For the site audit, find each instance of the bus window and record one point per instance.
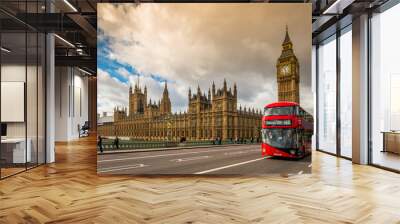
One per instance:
(281, 138)
(300, 112)
(279, 111)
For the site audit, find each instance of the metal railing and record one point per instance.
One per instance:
(110, 145)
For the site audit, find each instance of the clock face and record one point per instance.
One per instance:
(285, 69)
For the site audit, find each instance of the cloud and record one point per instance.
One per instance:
(111, 92)
(123, 72)
(191, 44)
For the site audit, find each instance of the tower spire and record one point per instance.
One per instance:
(287, 38)
(213, 88)
(165, 101)
(225, 87)
(165, 88)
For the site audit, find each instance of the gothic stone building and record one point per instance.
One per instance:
(288, 73)
(208, 117)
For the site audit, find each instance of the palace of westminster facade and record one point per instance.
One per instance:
(211, 116)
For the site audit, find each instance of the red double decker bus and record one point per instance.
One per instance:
(287, 130)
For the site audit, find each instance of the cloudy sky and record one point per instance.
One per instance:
(194, 44)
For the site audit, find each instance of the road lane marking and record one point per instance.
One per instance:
(105, 170)
(241, 152)
(189, 158)
(232, 165)
(164, 155)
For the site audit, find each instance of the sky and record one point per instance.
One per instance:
(187, 45)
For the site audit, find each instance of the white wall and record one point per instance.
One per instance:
(71, 103)
(61, 103)
(14, 73)
(33, 126)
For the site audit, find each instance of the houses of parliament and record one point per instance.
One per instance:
(209, 116)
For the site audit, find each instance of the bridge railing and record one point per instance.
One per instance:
(109, 145)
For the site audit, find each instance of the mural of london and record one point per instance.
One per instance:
(207, 89)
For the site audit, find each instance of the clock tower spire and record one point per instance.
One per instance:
(288, 72)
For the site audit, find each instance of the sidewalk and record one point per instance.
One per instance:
(167, 149)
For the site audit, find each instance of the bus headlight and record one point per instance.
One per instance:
(292, 151)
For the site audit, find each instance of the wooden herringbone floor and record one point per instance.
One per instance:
(70, 191)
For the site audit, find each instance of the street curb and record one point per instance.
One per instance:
(168, 149)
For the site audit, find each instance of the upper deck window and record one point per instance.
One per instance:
(279, 111)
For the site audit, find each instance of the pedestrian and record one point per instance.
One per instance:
(116, 142)
(100, 143)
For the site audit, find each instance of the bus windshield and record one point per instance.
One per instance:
(280, 137)
(279, 111)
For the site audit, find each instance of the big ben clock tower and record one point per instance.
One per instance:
(288, 73)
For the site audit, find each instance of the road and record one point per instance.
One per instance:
(236, 159)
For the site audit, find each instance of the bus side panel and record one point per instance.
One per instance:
(271, 151)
